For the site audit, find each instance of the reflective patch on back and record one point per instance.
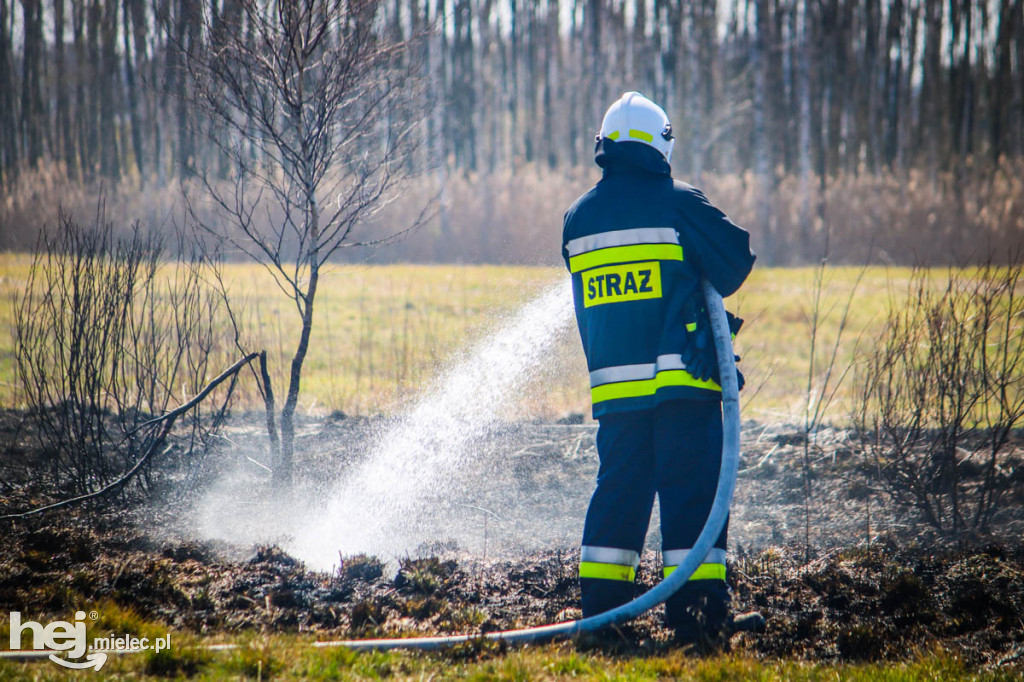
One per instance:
(620, 283)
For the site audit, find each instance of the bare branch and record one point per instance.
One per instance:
(168, 422)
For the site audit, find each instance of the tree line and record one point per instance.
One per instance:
(808, 88)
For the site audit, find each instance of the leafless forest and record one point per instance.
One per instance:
(893, 126)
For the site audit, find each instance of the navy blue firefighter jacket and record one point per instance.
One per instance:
(637, 244)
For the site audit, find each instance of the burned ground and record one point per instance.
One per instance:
(873, 585)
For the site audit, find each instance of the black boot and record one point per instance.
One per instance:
(699, 617)
(622, 638)
(700, 636)
(751, 621)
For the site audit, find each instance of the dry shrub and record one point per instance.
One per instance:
(942, 394)
(105, 338)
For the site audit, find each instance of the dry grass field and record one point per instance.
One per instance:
(383, 333)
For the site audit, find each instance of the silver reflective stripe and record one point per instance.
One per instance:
(670, 361)
(613, 375)
(674, 557)
(610, 555)
(639, 235)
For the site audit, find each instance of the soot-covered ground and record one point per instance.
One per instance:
(873, 585)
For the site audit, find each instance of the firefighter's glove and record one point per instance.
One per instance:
(735, 324)
(699, 358)
(715, 374)
(699, 354)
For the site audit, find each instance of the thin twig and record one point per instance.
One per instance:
(178, 411)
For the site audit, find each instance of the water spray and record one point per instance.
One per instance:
(667, 587)
(385, 504)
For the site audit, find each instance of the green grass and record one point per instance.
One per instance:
(289, 657)
(382, 333)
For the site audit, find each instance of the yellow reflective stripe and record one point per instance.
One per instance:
(703, 572)
(638, 389)
(613, 135)
(625, 254)
(641, 135)
(593, 569)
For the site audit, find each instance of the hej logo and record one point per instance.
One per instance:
(57, 636)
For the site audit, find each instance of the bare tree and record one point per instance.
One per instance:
(313, 108)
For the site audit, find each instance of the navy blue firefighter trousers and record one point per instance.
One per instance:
(674, 450)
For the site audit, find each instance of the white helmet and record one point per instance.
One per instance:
(634, 118)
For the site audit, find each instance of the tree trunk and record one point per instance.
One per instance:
(803, 39)
(762, 162)
(695, 124)
(870, 118)
(9, 157)
(63, 147)
(1017, 109)
(130, 67)
(91, 56)
(967, 92)
(184, 35)
(904, 139)
(33, 117)
(283, 471)
(1002, 93)
(893, 81)
(709, 69)
(930, 129)
(551, 71)
(110, 147)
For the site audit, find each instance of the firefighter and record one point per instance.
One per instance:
(637, 245)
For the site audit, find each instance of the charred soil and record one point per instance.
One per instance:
(886, 593)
